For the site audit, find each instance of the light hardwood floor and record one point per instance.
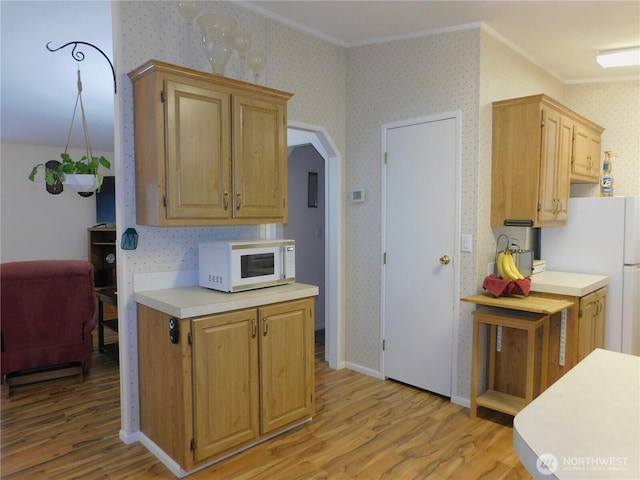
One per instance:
(364, 428)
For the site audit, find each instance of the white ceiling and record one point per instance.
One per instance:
(38, 88)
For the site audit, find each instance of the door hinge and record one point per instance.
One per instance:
(539, 207)
(311, 397)
(189, 339)
(284, 203)
(192, 445)
(384, 345)
(162, 97)
(311, 312)
(386, 157)
(384, 258)
(164, 201)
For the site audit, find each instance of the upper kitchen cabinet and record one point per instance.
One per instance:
(585, 163)
(533, 155)
(209, 150)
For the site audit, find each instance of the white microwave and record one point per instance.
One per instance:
(233, 266)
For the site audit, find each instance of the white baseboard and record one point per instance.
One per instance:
(367, 371)
(166, 460)
(458, 400)
(179, 472)
(462, 401)
(129, 438)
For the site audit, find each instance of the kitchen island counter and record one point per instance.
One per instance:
(587, 424)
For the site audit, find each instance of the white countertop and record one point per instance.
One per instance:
(587, 424)
(195, 301)
(564, 283)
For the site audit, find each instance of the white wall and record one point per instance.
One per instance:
(35, 224)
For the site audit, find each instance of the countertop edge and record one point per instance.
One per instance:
(567, 283)
(195, 301)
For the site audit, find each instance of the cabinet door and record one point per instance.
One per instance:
(286, 363)
(587, 327)
(585, 164)
(259, 159)
(198, 152)
(226, 382)
(600, 318)
(557, 134)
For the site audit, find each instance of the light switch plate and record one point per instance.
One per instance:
(467, 243)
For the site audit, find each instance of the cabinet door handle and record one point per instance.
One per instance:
(254, 328)
(265, 327)
(226, 200)
(238, 200)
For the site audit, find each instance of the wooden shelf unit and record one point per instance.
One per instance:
(536, 346)
(102, 246)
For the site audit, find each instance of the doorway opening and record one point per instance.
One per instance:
(299, 134)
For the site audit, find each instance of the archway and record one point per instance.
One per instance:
(303, 134)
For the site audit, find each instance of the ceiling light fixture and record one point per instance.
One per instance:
(623, 57)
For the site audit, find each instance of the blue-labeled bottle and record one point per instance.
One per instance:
(606, 182)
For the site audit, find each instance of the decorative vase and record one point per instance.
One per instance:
(217, 39)
(256, 61)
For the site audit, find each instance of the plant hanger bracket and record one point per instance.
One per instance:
(78, 56)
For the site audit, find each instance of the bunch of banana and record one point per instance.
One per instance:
(507, 267)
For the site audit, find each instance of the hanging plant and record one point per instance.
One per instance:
(87, 166)
(84, 166)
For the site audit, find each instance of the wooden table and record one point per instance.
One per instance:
(530, 314)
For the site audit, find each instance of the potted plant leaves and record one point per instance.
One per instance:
(82, 175)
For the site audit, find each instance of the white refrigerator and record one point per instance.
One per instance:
(602, 237)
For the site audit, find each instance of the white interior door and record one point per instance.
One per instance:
(420, 221)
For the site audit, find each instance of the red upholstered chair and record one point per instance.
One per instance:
(47, 313)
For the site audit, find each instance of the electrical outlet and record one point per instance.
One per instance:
(491, 268)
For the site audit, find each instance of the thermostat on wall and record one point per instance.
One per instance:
(357, 196)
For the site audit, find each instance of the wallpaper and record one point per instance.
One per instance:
(351, 93)
(504, 74)
(615, 106)
(385, 83)
(311, 69)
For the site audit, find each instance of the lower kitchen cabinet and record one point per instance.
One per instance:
(223, 382)
(592, 321)
(581, 331)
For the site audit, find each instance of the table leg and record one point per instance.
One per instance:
(474, 369)
(100, 326)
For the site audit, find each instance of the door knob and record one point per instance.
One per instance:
(445, 259)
